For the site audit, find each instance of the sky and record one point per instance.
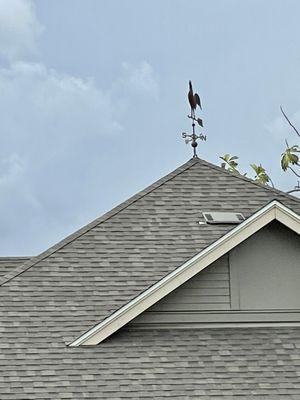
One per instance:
(93, 101)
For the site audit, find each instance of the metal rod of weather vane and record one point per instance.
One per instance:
(194, 140)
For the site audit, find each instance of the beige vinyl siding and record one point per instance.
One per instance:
(258, 281)
(208, 290)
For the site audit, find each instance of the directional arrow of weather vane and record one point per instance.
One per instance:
(194, 101)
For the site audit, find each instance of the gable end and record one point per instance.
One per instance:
(273, 211)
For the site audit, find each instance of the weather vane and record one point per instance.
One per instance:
(194, 101)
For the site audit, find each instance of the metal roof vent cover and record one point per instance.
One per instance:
(216, 217)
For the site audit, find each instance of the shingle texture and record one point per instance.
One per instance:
(141, 364)
(52, 299)
(7, 264)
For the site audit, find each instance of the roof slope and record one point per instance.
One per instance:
(94, 272)
(7, 264)
(180, 364)
(54, 297)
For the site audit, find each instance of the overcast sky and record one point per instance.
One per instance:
(93, 100)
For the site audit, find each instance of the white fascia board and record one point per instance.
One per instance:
(287, 217)
(261, 218)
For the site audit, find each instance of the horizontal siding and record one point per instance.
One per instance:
(264, 288)
(208, 290)
(266, 270)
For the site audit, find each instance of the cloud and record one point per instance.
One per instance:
(56, 130)
(19, 29)
(54, 103)
(52, 126)
(56, 133)
(140, 78)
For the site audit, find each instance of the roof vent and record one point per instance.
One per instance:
(217, 217)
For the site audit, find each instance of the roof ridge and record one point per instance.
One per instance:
(111, 213)
(244, 178)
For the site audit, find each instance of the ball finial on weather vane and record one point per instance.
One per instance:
(194, 101)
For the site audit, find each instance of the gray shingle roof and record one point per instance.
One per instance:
(53, 298)
(7, 264)
(146, 364)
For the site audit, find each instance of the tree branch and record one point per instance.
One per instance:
(289, 122)
(272, 183)
(294, 190)
(294, 172)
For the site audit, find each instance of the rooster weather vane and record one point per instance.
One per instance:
(194, 101)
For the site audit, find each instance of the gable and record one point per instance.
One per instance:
(273, 211)
(266, 270)
(260, 275)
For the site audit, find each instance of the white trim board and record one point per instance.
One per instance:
(272, 211)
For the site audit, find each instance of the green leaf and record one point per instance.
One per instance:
(284, 162)
(290, 157)
(260, 174)
(230, 163)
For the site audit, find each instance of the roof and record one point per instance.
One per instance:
(7, 264)
(55, 297)
(208, 364)
(272, 211)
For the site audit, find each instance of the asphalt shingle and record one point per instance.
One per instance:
(53, 298)
(8, 264)
(156, 364)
